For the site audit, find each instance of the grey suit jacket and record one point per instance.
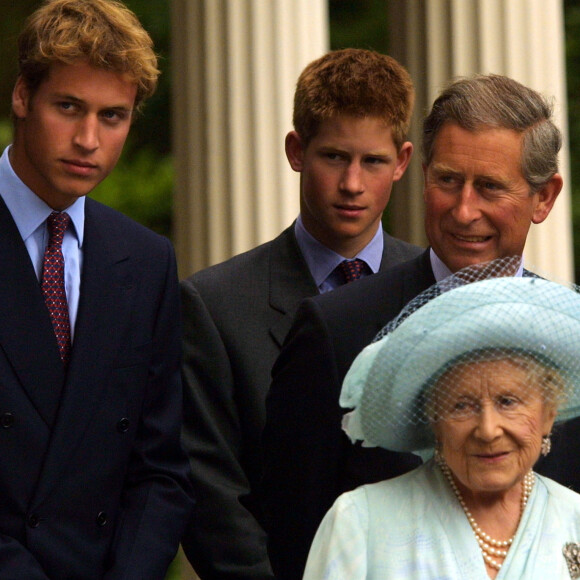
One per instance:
(236, 317)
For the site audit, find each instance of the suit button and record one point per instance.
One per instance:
(33, 521)
(7, 420)
(123, 425)
(101, 519)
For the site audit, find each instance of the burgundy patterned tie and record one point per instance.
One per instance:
(352, 269)
(53, 282)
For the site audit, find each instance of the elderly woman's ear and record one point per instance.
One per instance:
(549, 419)
(546, 446)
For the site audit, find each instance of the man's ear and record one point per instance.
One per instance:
(403, 159)
(546, 198)
(20, 98)
(294, 150)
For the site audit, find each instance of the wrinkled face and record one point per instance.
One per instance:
(347, 173)
(492, 419)
(478, 205)
(71, 132)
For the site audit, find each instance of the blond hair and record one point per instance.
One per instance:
(104, 33)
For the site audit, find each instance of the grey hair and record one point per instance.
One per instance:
(496, 101)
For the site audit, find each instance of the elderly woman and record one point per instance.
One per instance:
(479, 375)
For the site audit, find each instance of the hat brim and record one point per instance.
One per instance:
(529, 314)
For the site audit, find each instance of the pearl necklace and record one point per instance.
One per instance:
(490, 547)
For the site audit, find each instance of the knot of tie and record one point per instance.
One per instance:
(352, 269)
(53, 288)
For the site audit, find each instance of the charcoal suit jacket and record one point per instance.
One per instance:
(236, 317)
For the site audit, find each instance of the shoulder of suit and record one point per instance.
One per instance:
(404, 249)
(119, 224)
(240, 265)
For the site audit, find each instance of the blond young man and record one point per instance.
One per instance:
(94, 483)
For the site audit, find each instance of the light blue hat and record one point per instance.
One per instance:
(387, 383)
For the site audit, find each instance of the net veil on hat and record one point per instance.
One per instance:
(460, 319)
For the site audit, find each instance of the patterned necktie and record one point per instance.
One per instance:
(53, 288)
(351, 269)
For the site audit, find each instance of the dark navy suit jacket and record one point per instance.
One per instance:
(93, 482)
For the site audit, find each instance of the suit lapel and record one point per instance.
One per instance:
(26, 334)
(419, 277)
(104, 306)
(290, 282)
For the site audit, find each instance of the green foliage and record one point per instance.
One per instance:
(5, 133)
(153, 129)
(13, 15)
(141, 187)
(174, 572)
(360, 24)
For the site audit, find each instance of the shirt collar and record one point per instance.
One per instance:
(441, 271)
(27, 209)
(322, 261)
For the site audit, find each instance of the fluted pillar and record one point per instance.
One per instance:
(234, 66)
(523, 39)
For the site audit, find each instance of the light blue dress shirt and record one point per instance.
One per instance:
(29, 213)
(322, 261)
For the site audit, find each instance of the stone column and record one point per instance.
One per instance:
(524, 39)
(234, 69)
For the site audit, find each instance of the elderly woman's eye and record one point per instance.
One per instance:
(507, 402)
(462, 408)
